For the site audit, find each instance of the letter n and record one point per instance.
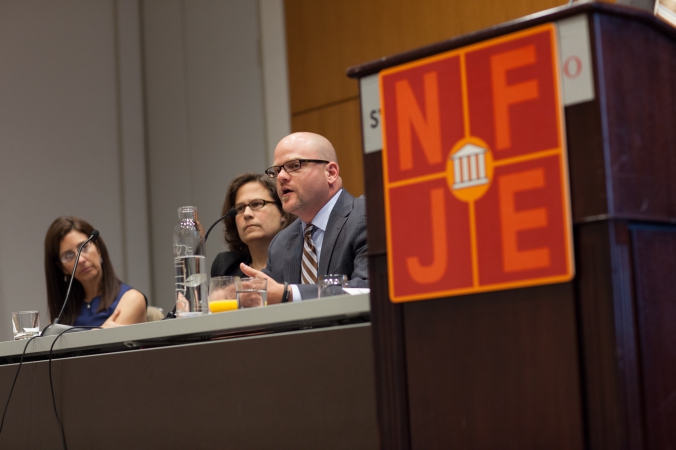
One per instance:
(426, 126)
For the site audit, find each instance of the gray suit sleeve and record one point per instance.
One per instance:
(360, 272)
(268, 269)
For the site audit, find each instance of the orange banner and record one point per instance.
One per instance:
(475, 169)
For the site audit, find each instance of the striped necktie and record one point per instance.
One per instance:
(309, 263)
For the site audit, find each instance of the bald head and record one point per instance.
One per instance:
(317, 144)
(306, 190)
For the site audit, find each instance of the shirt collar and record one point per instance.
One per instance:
(322, 218)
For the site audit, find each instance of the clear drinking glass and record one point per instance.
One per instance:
(252, 292)
(223, 293)
(25, 324)
(331, 284)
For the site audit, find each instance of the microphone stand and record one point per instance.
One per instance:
(232, 212)
(57, 327)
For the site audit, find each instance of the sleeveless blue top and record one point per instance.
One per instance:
(92, 317)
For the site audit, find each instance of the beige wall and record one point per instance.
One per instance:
(71, 139)
(205, 115)
(120, 111)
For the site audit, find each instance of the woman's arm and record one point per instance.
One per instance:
(130, 309)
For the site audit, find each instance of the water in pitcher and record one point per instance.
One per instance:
(191, 285)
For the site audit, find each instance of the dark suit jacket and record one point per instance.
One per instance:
(227, 263)
(343, 248)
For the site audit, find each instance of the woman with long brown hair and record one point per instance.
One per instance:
(259, 218)
(97, 298)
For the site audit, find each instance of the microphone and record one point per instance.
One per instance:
(57, 327)
(231, 213)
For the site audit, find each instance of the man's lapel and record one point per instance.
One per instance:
(294, 250)
(337, 219)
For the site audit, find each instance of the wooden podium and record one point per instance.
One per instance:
(589, 363)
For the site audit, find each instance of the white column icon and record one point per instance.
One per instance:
(469, 167)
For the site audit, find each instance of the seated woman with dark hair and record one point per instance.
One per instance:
(97, 298)
(259, 218)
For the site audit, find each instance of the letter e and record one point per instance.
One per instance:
(512, 221)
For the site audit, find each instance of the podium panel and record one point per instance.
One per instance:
(587, 363)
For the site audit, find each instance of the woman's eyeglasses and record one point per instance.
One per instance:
(254, 204)
(68, 256)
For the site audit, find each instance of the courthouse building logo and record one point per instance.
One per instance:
(469, 166)
(475, 169)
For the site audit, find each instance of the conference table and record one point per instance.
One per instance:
(296, 376)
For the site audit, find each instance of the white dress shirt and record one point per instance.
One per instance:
(319, 221)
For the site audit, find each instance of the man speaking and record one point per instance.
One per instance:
(329, 236)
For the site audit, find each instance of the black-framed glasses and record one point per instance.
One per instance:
(69, 255)
(254, 204)
(291, 166)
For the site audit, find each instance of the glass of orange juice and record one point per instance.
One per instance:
(223, 294)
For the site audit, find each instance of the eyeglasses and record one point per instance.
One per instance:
(254, 204)
(291, 166)
(68, 256)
